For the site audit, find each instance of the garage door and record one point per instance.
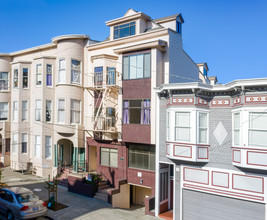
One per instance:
(203, 206)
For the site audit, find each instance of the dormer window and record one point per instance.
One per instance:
(124, 30)
(179, 27)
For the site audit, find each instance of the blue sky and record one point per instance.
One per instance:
(230, 35)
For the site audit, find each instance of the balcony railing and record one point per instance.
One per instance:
(104, 79)
(187, 151)
(105, 124)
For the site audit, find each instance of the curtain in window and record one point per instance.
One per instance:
(126, 112)
(49, 79)
(145, 112)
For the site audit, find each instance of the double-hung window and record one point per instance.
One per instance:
(236, 129)
(25, 80)
(168, 126)
(137, 66)
(48, 111)
(38, 108)
(15, 78)
(182, 126)
(48, 147)
(75, 111)
(24, 111)
(15, 111)
(257, 132)
(49, 75)
(124, 30)
(39, 74)
(98, 76)
(3, 81)
(62, 71)
(37, 146)
(24, 141)
(3, 111)
(75, 71)
(61, 111)
(15, 138)
(203, 128)
(109, 157)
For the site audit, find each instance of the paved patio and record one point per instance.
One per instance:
(79, 207)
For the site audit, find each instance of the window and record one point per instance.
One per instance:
(236, 128)
(75, 111)
(38, 110)
(15, 143)
(3, 81)
(48, 147)
(25, 78)
(136, 66)
(49, 75)
(61, 110)
(3, 111)
(38, 74)
(111, 76)
(24, 140)
(15, 78)
(168, 125)
(98, 76)
(203, 128)
(164, 183)
(179, 27)
(124, 30)
(75, 71)
(24, 111)
(37, 146)
(257, 132)
(182, 126)
(142, 157)
(15, 111)
(62, 71)
(109, 157)
(110, 115)
(48, 111)
(136, 111)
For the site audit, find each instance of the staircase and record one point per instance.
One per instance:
(63, 178)
(102, 193)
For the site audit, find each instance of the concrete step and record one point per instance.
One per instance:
(101, 198)
(102, 183)
(103, 187)
(105, 190)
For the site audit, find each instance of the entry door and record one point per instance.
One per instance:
(203, 206)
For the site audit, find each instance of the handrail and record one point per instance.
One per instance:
(19, 166)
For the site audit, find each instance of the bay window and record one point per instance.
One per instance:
(257, 131)
(38, 109)
(25, 78)
(38, 74)
(203, 128)
(24, 111)
(15, 139)
(3, 81)
(48, 147)
(24, 141)
(37, 146)
(182, 126)
(49, 75)
(48, 111)
(75, 111)
(15, 111)
(236, 129)
(136, 66)
(15, 78)
(61, 111)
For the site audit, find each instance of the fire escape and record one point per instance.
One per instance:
(105, 90)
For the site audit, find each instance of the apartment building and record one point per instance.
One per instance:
(211, 150)
(90, 105)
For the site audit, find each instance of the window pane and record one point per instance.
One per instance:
(113, 157)
(132, 67)
(48, 110)
(147, 65)
(258, 120)
(182, 119)
(125, 67)
(139, 66)
(203, 120)
(3, 110)
(48, 144)
(104, 156)
(202, 135)
(236, 121)
(236, 137)
(182, 134)
(25, 78)
(257, 138)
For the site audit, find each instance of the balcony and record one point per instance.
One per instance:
(254, 158)
(187, 152)
(105, 128)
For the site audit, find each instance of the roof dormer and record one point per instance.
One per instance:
(132, 23)
(173, 22)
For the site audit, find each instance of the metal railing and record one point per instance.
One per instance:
(104, 123)
(108, 78)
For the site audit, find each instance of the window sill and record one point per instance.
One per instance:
(108, 166)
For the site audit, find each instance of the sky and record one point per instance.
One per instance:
(230, 35)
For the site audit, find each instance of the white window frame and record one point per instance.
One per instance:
(48, 147)
(77, 71)
(74, 111)
(24, 111)
(15, 111)
(190, 127)
(38, 83)
(25, 77)
(37, 145)
(235, 129)
(15, 78)
(5, 110)
(4, 83)
(61, 110)
(49, 73)
(38, 109)
(15, 140)
(61, 80)
(198, 127)
(46, 109)
(24, 139)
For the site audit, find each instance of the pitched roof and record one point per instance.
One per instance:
(169, 17)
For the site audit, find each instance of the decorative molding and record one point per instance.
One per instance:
(233, 156)
(202, 102)
(182, 101)
(201, 158)
(220, 102)
(181, 146)
(256, 99)
(195, 176)
(237, 101)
